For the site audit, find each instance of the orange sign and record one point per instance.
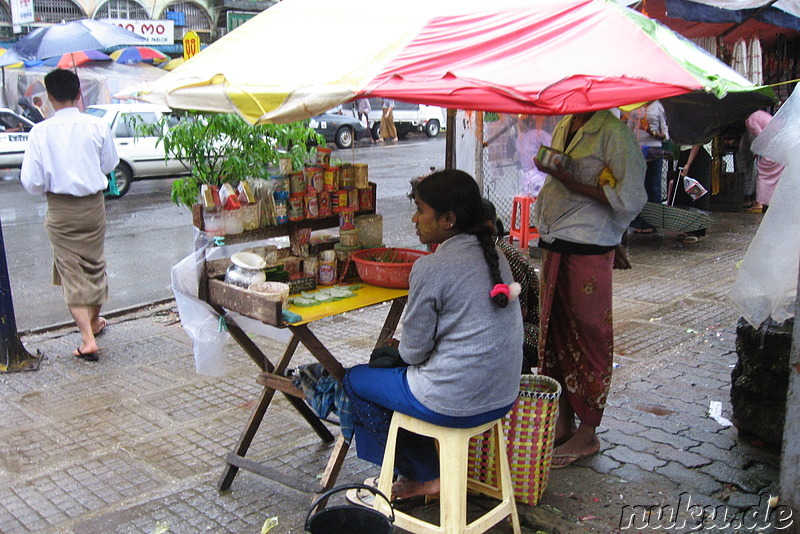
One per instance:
(191, 44)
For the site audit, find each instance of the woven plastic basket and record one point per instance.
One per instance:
(530, 432)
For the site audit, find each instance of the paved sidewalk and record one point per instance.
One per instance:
(135, 443)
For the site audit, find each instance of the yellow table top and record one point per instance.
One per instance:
(366, 295)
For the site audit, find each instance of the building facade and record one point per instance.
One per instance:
(209, 18)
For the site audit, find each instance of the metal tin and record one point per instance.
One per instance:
(330, 179)
(360, 175)
(324, 201)
(297, 184)
(311, 206)
(346, 219)
(339, 201)
(314, 179)
(365, 199)
(323, 156)
(346, 177)
(352, 200)
(295, 208)
(285, 165)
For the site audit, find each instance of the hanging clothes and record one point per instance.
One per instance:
(754, 58)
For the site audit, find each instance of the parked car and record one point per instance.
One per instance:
(337, 128)
(139, 156)
(408, 118)
(14, 130)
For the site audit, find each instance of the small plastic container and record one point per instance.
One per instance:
(370, 230)
(233, 222)
(214, 223)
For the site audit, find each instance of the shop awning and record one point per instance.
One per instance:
(782, 13)
(548, 57)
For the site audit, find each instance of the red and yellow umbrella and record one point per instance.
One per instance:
(73, 59)
(546, 57)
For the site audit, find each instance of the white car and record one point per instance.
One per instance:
(14, 130)
(139, 156)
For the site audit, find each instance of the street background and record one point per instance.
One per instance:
(147, 234)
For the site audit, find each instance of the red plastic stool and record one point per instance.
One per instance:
(520, 225)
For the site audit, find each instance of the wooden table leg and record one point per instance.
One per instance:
(392, 319)
(246, 438)
(334, 466)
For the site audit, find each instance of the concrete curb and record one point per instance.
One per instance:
(111, 313)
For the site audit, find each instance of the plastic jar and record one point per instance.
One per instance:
(370, 230)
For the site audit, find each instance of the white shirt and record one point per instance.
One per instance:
(69, 154)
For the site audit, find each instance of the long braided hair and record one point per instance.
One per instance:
(456, 191)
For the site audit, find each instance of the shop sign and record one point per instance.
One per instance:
(237, 18)
(191, 44)
(22, 12)
(157, 32)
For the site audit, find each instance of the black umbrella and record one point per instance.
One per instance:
(68, 37)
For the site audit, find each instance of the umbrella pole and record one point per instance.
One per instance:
(75, 70)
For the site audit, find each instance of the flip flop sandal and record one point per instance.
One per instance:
(86, 356)
(360, 497)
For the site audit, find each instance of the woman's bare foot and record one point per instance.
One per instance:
(406, 488)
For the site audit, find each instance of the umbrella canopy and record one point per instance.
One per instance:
(676, 219)
(17, 64)
(139, 54)
(172, 64)
(73, 59)
(546, 57)
(66, 37)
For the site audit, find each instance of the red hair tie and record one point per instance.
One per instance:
(498, 289)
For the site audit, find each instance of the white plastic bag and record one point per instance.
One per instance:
(766, 285)
(199, 320)
(693, 188)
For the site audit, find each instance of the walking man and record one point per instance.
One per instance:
(67, 159)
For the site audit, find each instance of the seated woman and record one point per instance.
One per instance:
(461, 339)
(525, 275)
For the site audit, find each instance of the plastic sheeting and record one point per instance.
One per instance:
(99, 82)
(766, 285)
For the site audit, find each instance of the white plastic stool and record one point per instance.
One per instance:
(454, 450)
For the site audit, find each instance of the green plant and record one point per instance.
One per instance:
(221, 147)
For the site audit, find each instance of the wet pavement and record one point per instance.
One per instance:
(135, 443)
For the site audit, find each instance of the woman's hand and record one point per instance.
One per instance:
(684, 171)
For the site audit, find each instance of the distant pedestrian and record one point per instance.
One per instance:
(362, 114)
(529, 138)
(768, 171)
(29, 111)
(388, 129)
(67, 160)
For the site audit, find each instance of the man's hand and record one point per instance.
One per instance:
(560, 173)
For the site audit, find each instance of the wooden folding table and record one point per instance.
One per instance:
(225, 297)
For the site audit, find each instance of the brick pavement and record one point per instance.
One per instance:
(135, 443)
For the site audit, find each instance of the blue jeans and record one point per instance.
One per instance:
(377, 392)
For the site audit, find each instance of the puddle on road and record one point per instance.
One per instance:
(654, 409)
